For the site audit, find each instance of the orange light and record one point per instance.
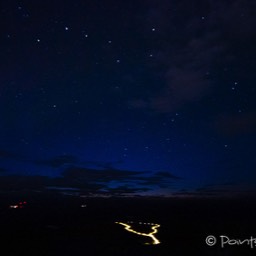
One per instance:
(154, 228)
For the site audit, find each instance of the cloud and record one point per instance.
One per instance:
(77, 179)
(194, 46)
(161, 179)
(111, 180)
(124, 181)
(122, 190)
(94, 175)
(219, 190)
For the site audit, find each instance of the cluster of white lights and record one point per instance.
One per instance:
(14, 206)
(20, 205)
(154, 228)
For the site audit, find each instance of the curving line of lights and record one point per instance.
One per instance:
(154, 228)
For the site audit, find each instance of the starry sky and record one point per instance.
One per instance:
(128, 97)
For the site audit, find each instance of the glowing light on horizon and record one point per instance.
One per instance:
(13, 206)
(20, 205)
(154, 228)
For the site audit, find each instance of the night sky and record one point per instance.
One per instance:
(128, 97)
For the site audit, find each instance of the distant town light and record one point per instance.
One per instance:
(154, 227)
(14, 206)
(19, 205)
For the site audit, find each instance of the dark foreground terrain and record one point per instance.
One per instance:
(54, 225)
